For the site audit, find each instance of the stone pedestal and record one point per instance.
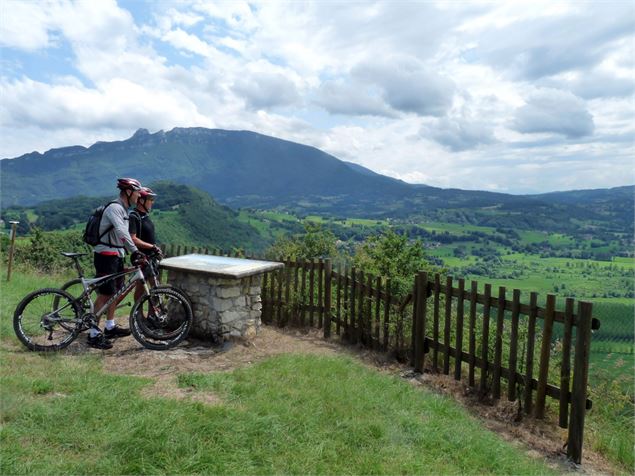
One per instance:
(225, 293)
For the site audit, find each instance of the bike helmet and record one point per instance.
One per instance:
(146, 192)
(128, 184)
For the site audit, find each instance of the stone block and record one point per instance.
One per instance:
(228, 292)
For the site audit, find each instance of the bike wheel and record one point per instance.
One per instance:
(47, 320)
(161, 319)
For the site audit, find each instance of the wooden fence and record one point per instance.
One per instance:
(495, 344)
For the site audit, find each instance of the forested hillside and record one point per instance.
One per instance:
(181, 214)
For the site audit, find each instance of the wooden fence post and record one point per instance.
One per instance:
(580, 377)
(327, 298)
(545, 352)
(565, 368)
(420, 328)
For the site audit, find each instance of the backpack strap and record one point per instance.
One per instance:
(108, 230)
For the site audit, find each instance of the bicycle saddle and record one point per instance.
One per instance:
(72, 255)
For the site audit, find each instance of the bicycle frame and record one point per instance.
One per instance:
(91, 284)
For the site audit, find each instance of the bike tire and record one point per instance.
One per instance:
(44, 317)
(167, 307)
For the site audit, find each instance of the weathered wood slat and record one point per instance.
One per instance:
(485, 344)
(498, 344)
(320, 293)
(552, 390)
(303, 264)
(360, 309)
(311, 290)
(327, 299)
(565, 367)
(513, 346)
(580, 380)
(338, 303)
(387, 303)
(472, 334)
(545, 353)
(447, 324)
(377, 325)
(353, 300)
(280, 286)
(435, 322)
(531, 339)
(347, 305)
(459, 329)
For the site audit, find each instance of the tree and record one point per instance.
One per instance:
(315, 242)
(390, 255)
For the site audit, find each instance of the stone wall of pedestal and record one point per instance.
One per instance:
(222, 307)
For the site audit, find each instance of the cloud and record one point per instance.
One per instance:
(267, 90)
(15, 15)
(118, 104)
(532, 43)
(352, 98)
(595, 85)
(459, 134)
(554, 111)
(408, 86)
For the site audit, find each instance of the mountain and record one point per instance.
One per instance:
(182, 214)
(246, 169)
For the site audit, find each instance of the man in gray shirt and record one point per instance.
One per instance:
(109, 257)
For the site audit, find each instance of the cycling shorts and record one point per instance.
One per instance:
(107, 264)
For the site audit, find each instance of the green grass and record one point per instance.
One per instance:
(293, 414)
(287, 415)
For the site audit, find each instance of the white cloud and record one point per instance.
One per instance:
(554, 111)
(440, 93)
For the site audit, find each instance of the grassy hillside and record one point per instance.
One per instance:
(292, 414)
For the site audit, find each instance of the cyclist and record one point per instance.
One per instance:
(142, 229)
(109, 257)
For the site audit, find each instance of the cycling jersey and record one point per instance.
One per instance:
(119, 238)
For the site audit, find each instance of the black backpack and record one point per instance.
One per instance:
(91, 232)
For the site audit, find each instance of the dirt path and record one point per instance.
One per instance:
(538, 438)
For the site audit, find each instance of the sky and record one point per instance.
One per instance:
(516, 97)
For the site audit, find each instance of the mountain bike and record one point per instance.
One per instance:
(50, 319)
(75, 286)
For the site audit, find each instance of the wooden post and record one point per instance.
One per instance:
(545, 353)
(447, 325)
(352, 296)
(435, 324)
(347, 305)
(531, 339)
(485, 343)
(498, 345)
(421, 283)
(565, 368)
(327, 298)
(296, 306)
(387, 317)
(320, 293)
(580, 377)
(513, 348)
(303, 294)
(287, 291)
(377, 311)
(311, 290)
(360, 308)
(459, 331)
(338, 300)
(472, 336)
(14, 225)
(279, 313)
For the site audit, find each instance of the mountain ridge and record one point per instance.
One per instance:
(248, 169)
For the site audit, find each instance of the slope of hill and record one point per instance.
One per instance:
(182, 215)
(246, 169)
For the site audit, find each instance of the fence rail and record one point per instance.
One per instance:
(486, 339)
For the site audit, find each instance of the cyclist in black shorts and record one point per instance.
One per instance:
(109, 255)
(142, 229)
